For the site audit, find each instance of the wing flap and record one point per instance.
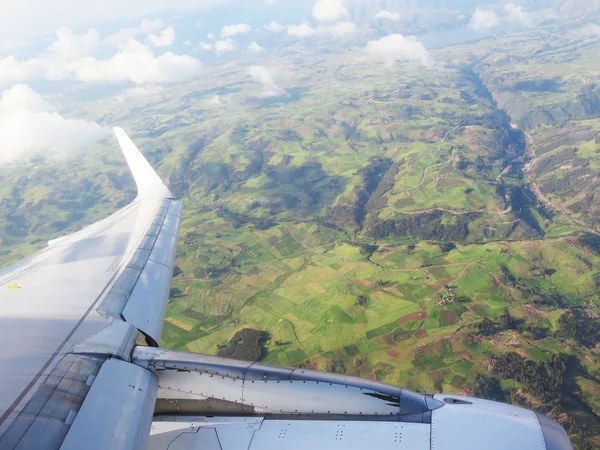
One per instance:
(55, 403)
(141, 292)
(117, 411)
(147, 304)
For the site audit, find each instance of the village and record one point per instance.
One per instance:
(448, 294)
(447, 297)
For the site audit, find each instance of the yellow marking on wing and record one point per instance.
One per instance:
(13, 286)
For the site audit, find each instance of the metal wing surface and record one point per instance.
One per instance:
(70, 314)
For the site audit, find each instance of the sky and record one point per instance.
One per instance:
(141, 47)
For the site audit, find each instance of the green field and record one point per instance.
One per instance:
(314, 316)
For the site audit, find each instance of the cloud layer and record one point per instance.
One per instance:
(274, 27)
(78, 14)
(516, 14)
(304, 30)
(254, 47)
(31, 127)
(262, 75)
(484, 20)
(327, 10)
(214, 100)
(76, 57)
(232, 30)
(164, 39)
(224, 46)
(388, 15)
(396, 47)
(136, 63)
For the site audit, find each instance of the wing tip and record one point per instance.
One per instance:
(148, 182)
(119, 131)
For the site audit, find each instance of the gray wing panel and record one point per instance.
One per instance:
(258, 433)
(46, 419)
(53, 307)
(117, 412)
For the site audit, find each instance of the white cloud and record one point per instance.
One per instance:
(262, 75)
(12, 70)
(73, 46)
(588, 30)
(30, 127)
(24, 20)
(254, 47)
(125, 34)
(11, 43)
(214, 100)
(516, 14)
(135, 62)
(484, 20)
(224, 46)
(396, 47)
(211, 36)
(75, 57)
(271, 2)
(205, 46)
(325, 10)
(232, 30)
(388, 15)
(164, 39)
(53, 64)
(21, 97)
(275, 27)
(302, 30)
(187, 43)
(341, 29)
(139, 91)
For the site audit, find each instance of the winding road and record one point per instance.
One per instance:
(410, 188)
(449, 211)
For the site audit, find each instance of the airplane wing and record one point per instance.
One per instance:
(72, 376)
(70, 315)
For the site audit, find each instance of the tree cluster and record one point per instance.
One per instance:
(425, 226)
(544, 380)
(447, 247)
(246, 345)
(238, 220)
(488, 388)
(579, 326)
(487, 327)
(591, 241)
(506, 321)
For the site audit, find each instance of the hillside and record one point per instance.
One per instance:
(548, 82)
